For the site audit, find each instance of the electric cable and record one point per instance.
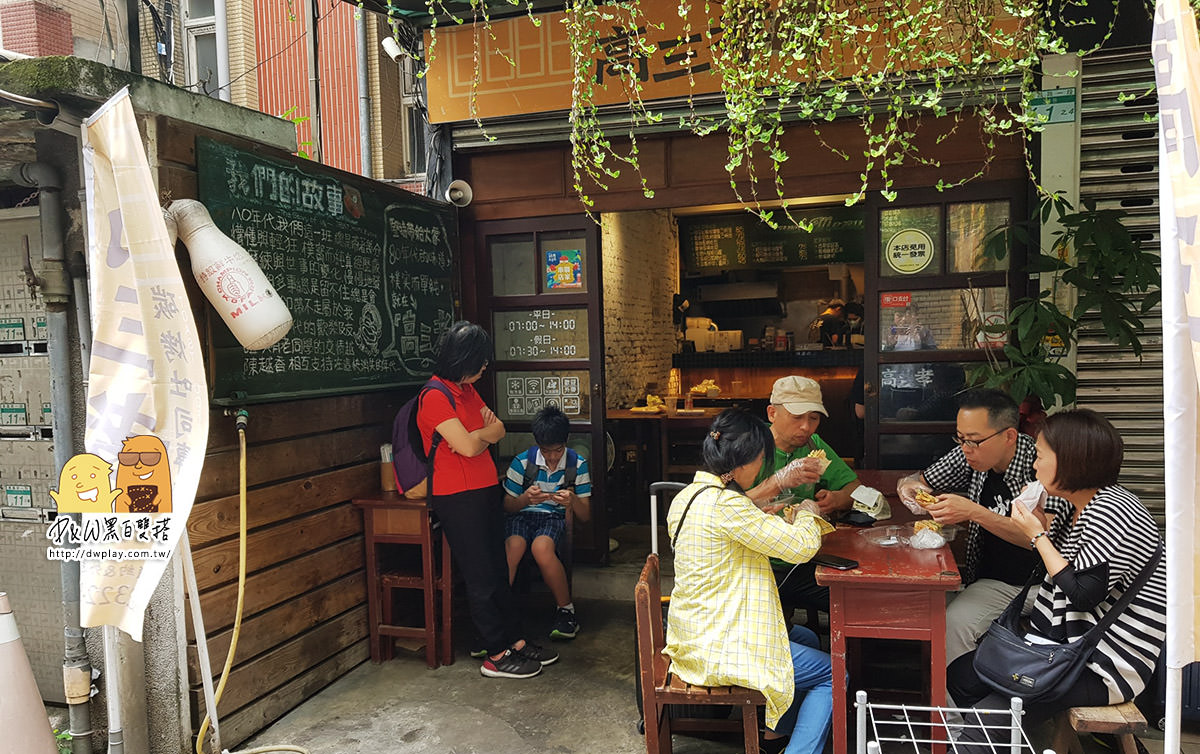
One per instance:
(241, 419)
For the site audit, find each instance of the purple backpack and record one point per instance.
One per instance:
(409, 461)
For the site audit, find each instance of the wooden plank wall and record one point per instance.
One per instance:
(305, 613)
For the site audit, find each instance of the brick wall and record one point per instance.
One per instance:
(36, 28)
(640, 264)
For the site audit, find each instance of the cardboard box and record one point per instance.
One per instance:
(705, 340)
(728, 340)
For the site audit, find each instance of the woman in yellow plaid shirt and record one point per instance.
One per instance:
(726, 627)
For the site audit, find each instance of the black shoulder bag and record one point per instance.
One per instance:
(1040, 673)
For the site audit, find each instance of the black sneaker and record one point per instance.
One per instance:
(538, 653)
(565, 626)
(512, 664)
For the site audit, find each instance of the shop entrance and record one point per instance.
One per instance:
(537, 282)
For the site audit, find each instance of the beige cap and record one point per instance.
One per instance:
(798, 395)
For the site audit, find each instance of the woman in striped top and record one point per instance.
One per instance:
(1111, 538)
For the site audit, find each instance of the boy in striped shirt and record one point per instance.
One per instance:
(541, 485)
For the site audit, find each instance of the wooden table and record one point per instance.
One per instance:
(656, 430)
(895, 593)
(391, 519)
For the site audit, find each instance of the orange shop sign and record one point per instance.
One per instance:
(538, 78)
(894, 300)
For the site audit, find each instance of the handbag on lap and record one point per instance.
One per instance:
(1037, 673)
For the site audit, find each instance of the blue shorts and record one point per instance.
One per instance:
(530, 526)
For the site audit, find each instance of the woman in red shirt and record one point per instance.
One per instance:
(467, 499)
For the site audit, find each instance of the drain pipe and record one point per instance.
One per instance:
(364, 95)
(55, 285)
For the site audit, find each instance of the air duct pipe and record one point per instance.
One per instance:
(56, 286)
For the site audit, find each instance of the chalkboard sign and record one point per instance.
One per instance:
(367, 272)
(541, 334)
(716, 242)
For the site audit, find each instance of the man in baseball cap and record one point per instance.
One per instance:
(795, 413)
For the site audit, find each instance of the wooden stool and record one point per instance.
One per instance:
(391, 519)
(1121, 720)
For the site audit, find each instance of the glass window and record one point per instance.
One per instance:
(520, 395)
(514, 443)
(912, 451)
(940, 319)
(205, 77)
(562, 264)
(921, 392)
(512, 266)
(541, 334)
(967, 227)
(910, 241)
(200, 9)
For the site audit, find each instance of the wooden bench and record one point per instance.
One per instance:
(660, 687)
(1120, 720)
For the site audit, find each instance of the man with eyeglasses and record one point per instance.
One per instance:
(977, 481)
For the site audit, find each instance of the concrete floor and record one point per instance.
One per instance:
(583, 703)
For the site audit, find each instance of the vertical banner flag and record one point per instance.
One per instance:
(1177, 73)
(147, 407)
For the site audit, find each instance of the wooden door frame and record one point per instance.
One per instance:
(478, 305)
(1018, 194)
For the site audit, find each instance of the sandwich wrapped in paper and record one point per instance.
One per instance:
(871, 501)
(821, 458)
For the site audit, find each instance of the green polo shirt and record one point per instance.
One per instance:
(837, 475)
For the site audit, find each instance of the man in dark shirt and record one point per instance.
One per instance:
(978, 480)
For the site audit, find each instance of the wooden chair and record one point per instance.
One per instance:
(660, 687)
(1120, 720)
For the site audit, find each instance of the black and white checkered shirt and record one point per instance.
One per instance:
(952, 473)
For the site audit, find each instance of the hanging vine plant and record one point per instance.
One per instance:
(890, 64)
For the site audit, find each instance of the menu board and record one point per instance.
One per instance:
(523, 394)
(541, 334)
(367, 272)
(742, 240)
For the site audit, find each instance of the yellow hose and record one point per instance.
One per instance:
(241, 593)
(237, 617)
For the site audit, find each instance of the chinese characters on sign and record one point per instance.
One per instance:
(366, 274)
(564, 269)
(909, 251)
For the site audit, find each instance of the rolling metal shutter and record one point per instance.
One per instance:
(1119, 170)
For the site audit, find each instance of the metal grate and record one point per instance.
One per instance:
(898, 728)
(1119, 170)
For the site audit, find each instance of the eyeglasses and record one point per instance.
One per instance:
(972, 444)
(149, 458)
